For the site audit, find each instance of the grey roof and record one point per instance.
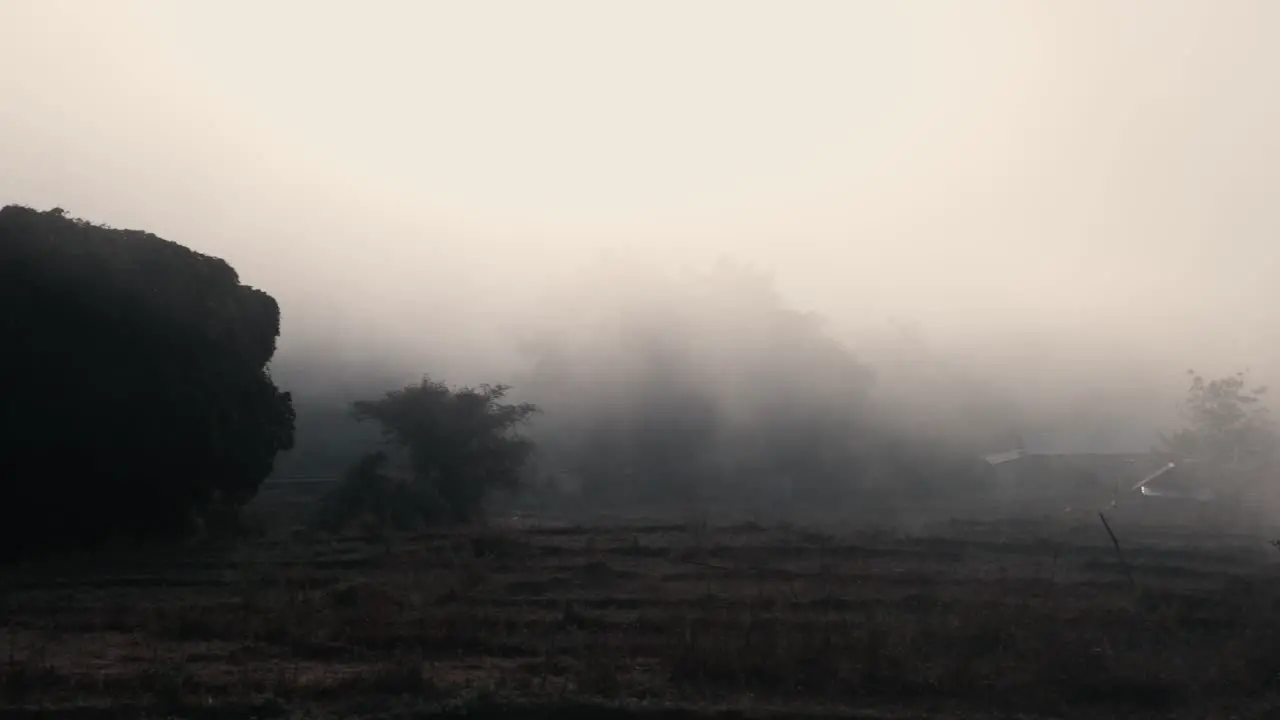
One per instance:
(999, 458)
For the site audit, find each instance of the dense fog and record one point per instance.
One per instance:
(736, 238)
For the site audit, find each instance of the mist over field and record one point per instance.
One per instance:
(640, 360)
(1005, 217)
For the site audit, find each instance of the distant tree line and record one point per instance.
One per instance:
(698, 391)
(708, 389)
(136, 399)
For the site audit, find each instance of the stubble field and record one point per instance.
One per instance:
(1034, 618)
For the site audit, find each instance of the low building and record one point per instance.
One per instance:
(1040, 477)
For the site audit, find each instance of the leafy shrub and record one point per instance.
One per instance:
(368, 498)
(460, 444)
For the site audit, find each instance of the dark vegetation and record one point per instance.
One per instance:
(136, 399)
(459, 445)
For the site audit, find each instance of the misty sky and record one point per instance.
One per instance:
(1028, 165)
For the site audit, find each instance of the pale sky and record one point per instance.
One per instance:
(1034, 164)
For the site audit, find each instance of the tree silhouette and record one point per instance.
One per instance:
(135, 392)
(1228, 430)
(460, 444)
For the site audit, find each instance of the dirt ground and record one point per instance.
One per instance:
(1033, 618)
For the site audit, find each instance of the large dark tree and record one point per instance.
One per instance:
(135, 391)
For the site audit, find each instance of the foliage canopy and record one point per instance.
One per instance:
(459, 444)
(136, 393)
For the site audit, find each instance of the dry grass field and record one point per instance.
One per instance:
(629, 619)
